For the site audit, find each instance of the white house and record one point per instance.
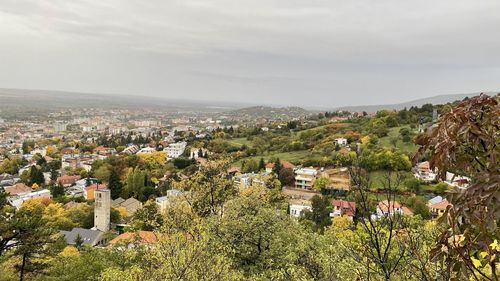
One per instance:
(304, 177)
(423, 172)
(164, 201)
(386, 208)
(438, 206)
(17, 201)
(195, 152)
(174, 150)
(341, 141)
(297, 206)
(146, 150)
(453, 180)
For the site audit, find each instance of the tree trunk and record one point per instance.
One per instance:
(21, 274)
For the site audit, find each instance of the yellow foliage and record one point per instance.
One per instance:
(122, 211)
(342, 223)
(35, 186)
(69, 251)
(51, 151)
(35, 203)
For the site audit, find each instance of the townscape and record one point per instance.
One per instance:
(124, 194)
(247, 140)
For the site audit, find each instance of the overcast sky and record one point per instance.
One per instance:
(290, 52)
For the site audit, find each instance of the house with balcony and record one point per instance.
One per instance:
(305, 177)
(422, 171)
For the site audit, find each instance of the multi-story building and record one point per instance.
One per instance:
(174, 150)
(304, 178)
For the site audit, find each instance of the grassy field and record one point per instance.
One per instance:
(378, 177)
(394, 133)
(240, 142)
(292, 156)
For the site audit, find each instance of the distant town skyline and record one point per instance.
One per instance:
(282, 52)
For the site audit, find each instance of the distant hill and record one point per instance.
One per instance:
(270, 113)
(36, 101)
(441, 99)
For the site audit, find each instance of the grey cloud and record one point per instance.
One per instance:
(313, 52)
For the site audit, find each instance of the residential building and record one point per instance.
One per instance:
(104, 151)
(423, 172)
(164, 201)
(133, 149)
(175, 150)
(195, 153)
(18, 200)
(304, 178)
(88, 237)
(17, 189)
(146, 150)
(386, 208)
(458, 181)
(89, 191)
(67, 180)
(438, 206)
(343, 208)
(341, 141)
(298, 206)
(243, 181)
(131, 205)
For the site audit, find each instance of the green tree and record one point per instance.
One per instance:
(210, 187)
(413, 185)
(135, 185)
(57, 190)
(36, 176)
(258, 238)
(262, 164)
(286, 177)
(25, 233)
(321, 183)
(148, 217)
(114, 183)
(78, 241)
(320, 214)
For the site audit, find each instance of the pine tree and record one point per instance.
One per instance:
(262, 164)
(78, 241)
(277, 166)
(57, 190)
(114, 184)
(36, 176)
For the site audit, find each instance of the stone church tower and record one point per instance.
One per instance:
(102, 209)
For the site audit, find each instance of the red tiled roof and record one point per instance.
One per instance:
(96, 186)
(68, 179)
(141, 237)
(441, 205)
(347, 208)
(385, 206)
(424, 166)
(17, 189)
(407, 211)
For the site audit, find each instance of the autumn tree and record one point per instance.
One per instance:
(210, 188)
(466, 140)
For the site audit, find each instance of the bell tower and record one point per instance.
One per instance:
(102, 209)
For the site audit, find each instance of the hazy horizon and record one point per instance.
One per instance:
(314, 54)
